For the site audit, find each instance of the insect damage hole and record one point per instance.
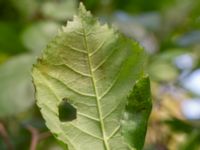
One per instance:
(66, 111)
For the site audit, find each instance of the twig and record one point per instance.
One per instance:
(44, 135)
(4, 135)
(36, 137)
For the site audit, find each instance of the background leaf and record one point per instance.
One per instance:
(16, 90)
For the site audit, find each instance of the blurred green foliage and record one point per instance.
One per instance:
(168, 29)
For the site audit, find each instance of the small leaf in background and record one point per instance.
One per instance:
(137, 111)
(16, 90)
(36, 36)
(167, 72)
(95, 68)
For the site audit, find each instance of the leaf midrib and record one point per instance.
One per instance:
(105, 139)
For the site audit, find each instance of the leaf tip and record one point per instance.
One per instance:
(83, 11)
(81, 6)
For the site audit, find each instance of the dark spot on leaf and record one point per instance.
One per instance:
(67, 112)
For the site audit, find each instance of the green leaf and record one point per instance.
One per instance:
(95, 68)
(137, 111)
(16, 90)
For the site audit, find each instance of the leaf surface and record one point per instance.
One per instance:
(94, 68)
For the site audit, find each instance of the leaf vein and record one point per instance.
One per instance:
(96, 93)
(89, 117)
(76, 49)
(86, 132)
(97, 49)
(76, 71)
(114, 132)
(103, 61)
(112, 110)
(111, 86)
(73, 90)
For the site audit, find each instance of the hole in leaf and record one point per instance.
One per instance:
(67, 112)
